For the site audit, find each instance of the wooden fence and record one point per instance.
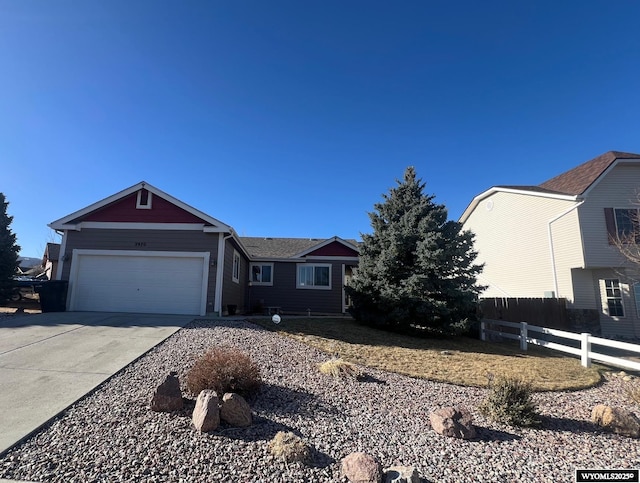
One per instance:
(585, 342)
(550, 312)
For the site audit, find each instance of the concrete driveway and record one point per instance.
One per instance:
(48, 361)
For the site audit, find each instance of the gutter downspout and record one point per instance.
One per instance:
(217, 307)
(551, 249)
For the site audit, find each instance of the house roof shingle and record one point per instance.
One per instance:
(577, 180)
(536, 189)
(280, 248)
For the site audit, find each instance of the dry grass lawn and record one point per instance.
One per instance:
(457, 360)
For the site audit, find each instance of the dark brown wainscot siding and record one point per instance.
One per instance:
(284, 293)
(232, 292)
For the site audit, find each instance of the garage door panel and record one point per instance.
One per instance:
(139, 283)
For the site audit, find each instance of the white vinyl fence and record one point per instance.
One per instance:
(586, 341)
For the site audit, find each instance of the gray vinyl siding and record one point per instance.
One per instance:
(618, 189)
(585, 292)
(511, 237)
(234, 293)
(283, 293)
(627, 326)
(145, 240)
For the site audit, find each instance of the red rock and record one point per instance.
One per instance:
(453, 421)
(361, 468)
(168, 397)
(206, 414)
(235, 410)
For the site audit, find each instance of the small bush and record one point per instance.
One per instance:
(289, 447)
(224, 369)
(509, 402)
(633, 391)
(338, 368)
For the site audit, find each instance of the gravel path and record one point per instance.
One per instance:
(112, 435)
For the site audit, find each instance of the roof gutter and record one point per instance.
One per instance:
(499, 189)
(554, 270)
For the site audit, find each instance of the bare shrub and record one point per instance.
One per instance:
(224, 369)
(509, 402)
(289, 447)
(338, 367)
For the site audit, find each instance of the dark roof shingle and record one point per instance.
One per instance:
(280, 248)
(577, 180)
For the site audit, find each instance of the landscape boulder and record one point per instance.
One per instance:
(235, 410)
(167, 397)
(361, 468)
(401, 474)
(206, 414)
(616, 420)
(454, 422)
(290, 447)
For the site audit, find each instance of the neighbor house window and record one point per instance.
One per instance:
(314, 276)
(627, 224)
(614, 297)
(235, 275)
(144, 200)
(636, 293)
(262, 273)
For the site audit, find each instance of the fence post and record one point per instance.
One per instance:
(483, 327)
(585, 348)
(523, 336)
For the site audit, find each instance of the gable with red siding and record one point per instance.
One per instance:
(333, 249)
(125, 210)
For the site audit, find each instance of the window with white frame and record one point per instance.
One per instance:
(614, 297)
(235, 274)
(314, 276)
(143, 201)
(261, 273)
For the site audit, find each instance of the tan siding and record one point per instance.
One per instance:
(567, 251)
(618, 189)
(585, 294)
(145, 240)
(512, 242)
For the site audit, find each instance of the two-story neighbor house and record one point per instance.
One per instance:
(142, 250)
(557, 239)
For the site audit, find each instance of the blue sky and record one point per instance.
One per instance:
(292, 118)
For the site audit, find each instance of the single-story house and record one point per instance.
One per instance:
(142, 250)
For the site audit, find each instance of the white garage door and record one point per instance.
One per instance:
(143, 282)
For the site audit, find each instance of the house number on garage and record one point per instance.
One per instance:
(141, 244)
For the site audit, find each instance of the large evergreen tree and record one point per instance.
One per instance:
(8, 252)
(417, 268)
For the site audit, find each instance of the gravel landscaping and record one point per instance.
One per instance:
(112, 435)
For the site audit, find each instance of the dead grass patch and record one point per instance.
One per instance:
(633, 391)
(457, 360)
(338, 367)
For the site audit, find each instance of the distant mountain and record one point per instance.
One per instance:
(29, 262)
